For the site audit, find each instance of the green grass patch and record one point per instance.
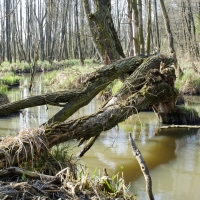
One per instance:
(116, 86)
(3, 89)
(9, 79)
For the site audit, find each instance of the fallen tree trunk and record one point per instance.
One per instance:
(32, 143)
(76, 97)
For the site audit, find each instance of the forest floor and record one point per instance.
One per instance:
(17, 184)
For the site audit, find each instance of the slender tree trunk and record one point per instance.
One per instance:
(168, 28)
(78, 35)
(170, 38)
(148, 32)
(157, 28)
(40, 19)
(28, 32)
(131, 42)
(142, 51)
(3, 39)
(54, 33)
(195, 49)
(135, 25)
(8, 32)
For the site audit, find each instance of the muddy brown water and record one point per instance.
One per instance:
(172, 156)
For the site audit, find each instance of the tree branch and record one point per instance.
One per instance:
(144, 168)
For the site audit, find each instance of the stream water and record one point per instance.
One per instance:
(172, 155)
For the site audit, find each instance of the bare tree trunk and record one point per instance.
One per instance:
(131, 42)
(63, 53)
(148, 32)
(135, 25)
(8, 32)
(195, 50)
(54, 35)
(184, 27)
(3, 40)
(14, 34)
(167, 25)
(40, 19)
(49, 7)
(170, 38)
(34, 65)
(78, 35)
(142, 51)
(157, 29)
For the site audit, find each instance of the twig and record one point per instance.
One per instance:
(21, 172)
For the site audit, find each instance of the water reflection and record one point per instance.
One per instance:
(172, 155)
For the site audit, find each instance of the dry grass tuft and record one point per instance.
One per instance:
(27, 144)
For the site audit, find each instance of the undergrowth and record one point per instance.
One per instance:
(189, 83)
(9, 79)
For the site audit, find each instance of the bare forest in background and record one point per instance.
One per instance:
(58, 29)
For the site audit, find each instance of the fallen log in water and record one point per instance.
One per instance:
(180, 126)
(14, 150)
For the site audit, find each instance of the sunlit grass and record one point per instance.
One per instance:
(189, 83)
(116, 86)
(63, 78)
(3, 89)
(9, 79)
(112, 186)
(46, 65)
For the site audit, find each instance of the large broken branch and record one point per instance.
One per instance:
(135, 82)
(144, 168)
(137, 79)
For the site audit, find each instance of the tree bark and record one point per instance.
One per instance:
(104, 33)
